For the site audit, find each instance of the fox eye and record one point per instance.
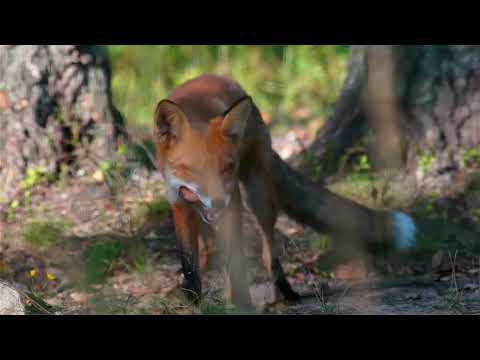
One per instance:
(180, 169)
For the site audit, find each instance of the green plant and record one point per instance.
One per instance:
(34, 177)
(214, 308)
(210, 308)
(43, 234)
(136, 256)
(281, 78)
(362, 165)
(100, 259)
(122, 149)
(471, 157)
(425, 162)
(12, 209)
(320, 243)
(157, 208)
(107, 167)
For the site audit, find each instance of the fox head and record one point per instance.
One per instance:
(200, 166)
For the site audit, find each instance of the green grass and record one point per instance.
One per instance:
(136, 256)
(210, 308)
(157, 208)
(282, 79)
(43, 234)
(100, 258)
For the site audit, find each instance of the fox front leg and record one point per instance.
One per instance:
(229, 234)
(187, 229)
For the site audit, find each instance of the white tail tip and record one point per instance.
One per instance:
(405, 231)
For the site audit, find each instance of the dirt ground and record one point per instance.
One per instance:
(143, 276)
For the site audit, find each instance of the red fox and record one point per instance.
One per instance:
(210, 138)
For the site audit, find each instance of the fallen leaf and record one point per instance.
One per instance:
(167, 290)
(81, 298)
(4, 101)
(21, 105)
(54, 301)
(98, 176)
(350, 272)
(292, 232)
(139, 292)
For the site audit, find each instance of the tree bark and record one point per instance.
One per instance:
(419, 102)
(439, 93)
(347, 123)
(55, 109)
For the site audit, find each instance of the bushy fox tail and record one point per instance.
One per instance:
(325, 211)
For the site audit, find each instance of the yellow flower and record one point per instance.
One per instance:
(50, 277)
(33, 273)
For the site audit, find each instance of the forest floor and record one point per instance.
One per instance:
(82, 247)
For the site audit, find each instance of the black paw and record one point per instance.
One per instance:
(287, 293)
(193, 291)
(292, 296)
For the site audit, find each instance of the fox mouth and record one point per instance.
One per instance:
(207, 214)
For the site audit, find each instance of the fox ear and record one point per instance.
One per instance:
(169, 121)
(235, 119)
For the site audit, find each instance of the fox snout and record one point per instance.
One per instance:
(209, 210)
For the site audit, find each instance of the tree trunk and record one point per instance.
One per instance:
(422, 105)
(55, 110)
(346, 124)
(439, 93)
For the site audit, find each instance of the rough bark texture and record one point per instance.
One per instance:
(10, 301)
(55, 108)
(439, 91)
(347, 122)
(420, 101)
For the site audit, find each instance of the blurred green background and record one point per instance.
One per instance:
(293, 85)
